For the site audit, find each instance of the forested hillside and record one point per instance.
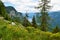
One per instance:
(16, 26)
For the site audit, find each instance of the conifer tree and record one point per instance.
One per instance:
(34, 22)
(44, 7)
(3, 11)
(56, 29)
(25, 21)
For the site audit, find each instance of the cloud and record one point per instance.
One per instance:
(56, 5)
(28, 5)
(23, 5)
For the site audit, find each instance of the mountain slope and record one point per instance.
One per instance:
(2, 9)
(55, 18)
(15, 16)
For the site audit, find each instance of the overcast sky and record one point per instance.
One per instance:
(28, 5)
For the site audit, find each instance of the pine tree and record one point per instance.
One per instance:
(26, 15)
(25, 21)
(56, 29)
(38, 18)
(34, 22)
(44, 7)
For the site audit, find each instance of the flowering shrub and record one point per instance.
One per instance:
(17, 32)
(55, 36)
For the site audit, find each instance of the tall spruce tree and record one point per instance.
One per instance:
(34, 22)
(44, 7)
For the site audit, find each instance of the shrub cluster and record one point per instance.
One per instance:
(18, 32)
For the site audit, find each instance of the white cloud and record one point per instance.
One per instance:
(23, 5)
(55, 4)
(28, 5)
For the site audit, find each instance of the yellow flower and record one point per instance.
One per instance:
(9, 26)
(17, 29)
(26, 31)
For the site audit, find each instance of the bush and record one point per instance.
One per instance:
(55, 36)
(18, 32)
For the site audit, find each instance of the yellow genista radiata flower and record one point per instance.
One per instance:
(37, 31)
(17, 29)
(9, 26)
(26, 30)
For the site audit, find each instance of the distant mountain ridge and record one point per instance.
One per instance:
(17, 16)
(55, 17)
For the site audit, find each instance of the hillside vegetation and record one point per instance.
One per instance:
(9, 31)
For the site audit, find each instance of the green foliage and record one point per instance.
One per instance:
(18, 32)
(55, 36)
(16, 19)
(3, 11)
(25, 21)
(34, 22)
(56, 29)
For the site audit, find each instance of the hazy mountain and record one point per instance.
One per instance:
(14, 14)
(55, 17)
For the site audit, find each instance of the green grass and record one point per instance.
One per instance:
(18, 32)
